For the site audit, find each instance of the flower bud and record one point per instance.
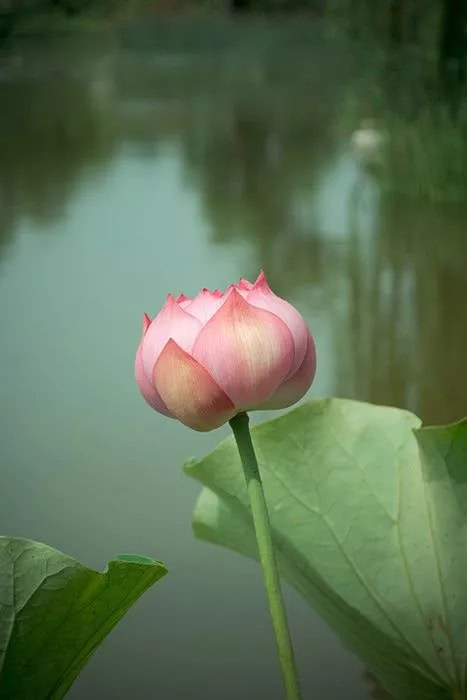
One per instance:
(205, 359)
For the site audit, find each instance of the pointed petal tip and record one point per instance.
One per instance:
(181, 297)
(145, 324)
(170, 300)
(205, 292)
(261, 282)
(244, 284)
(234, 298)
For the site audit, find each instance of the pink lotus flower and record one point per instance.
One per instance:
(205, 359)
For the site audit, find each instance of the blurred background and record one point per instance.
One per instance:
(154, 147)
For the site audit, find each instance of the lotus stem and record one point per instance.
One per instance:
(241, 431)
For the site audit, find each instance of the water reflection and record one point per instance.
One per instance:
(54, 125)
(166, 171)
(271, 169)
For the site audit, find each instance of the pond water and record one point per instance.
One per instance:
(149, 161)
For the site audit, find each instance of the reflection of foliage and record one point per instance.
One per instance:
(417, 87)
(425, 121)
(71, 7)
(250, 167)
(44, 17)
(392, 297)
(428, 156)
(51, 128)
(389, 22)
(257, 154)
(405, 298)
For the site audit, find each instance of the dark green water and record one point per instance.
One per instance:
(131, 168)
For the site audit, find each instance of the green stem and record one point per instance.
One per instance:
(239, 425)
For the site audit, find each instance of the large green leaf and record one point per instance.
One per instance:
(54, 612)
(369, 520)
